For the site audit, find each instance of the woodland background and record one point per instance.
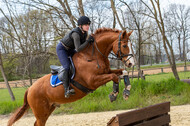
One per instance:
(31, 29)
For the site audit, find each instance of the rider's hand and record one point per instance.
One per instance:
(90, 39)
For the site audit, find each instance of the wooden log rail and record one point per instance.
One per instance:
(155, 115)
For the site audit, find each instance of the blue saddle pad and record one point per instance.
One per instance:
(54, 81)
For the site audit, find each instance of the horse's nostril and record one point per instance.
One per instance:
(130, 64)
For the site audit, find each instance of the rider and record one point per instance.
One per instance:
(73, 42)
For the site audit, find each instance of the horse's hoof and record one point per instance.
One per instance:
(125, 98)
(126, 92)
(113, 96)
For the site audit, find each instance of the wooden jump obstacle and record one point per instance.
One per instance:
(155, 115)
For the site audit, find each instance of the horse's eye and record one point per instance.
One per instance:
(124, 46)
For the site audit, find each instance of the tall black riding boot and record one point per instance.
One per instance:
(64, 77)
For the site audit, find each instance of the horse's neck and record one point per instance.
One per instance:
(105, 42)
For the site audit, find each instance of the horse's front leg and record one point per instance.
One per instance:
(126, 91)
(102, 79)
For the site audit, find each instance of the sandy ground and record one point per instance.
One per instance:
(180, 116)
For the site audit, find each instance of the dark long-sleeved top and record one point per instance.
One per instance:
(76, 39)
(77, 43)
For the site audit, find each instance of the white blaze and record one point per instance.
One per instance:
(131, 59)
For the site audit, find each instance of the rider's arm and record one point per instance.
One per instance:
(77, 43)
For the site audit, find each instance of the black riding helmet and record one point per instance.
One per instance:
(83, 20)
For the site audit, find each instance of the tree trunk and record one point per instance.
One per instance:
(5, 79)
(67, 10)
(159, 20)
(139, 60)
(30, 74)
(115, 13)
(179, 42)
(171, 59)
(114, 21)
(184, 51)
(81, 7)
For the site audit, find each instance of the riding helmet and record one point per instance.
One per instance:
(83, 20)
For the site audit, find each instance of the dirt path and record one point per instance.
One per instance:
(165, 70)
(180, 116)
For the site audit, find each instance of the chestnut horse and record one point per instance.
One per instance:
(42, 98)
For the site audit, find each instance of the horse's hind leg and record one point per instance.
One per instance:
(42, 110)
(43, 114)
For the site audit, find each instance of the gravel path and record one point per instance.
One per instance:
(180, 116)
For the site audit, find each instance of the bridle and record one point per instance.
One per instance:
(119, 55)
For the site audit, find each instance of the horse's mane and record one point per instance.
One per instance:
(101, 30)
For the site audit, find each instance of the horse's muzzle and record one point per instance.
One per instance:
(127, 63)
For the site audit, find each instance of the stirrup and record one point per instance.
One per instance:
(69, 92)
(72, 91)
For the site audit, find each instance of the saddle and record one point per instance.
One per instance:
(55, 69)
(54, 80)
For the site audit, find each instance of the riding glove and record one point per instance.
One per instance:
(90, 39)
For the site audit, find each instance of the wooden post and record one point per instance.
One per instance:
(162, 70)
(16, 84)
(185, 68)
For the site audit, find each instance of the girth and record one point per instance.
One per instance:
(81, 87)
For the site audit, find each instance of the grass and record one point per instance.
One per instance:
(143, 93)
(154, 90)
(6, 105)
(165, 76)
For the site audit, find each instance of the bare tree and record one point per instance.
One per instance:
(138, 22)
(178, 24)
(157, 16)
(81, 7)
(116, 14)
(31, 35)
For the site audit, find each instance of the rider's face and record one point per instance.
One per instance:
(86, 27)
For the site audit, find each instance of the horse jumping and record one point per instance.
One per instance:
(92, 71)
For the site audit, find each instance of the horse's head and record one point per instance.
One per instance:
(123, 49)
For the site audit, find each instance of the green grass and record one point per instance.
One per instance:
(6, 105)
(165, 76)
(143, 93)
(154, 90)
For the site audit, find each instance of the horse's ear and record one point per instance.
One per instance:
(129, 33)
(124, 33)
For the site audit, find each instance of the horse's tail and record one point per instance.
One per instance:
(20, 112)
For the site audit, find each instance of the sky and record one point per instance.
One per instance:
(164, 3)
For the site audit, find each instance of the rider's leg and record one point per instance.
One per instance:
(64, 73)
(64, 77)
